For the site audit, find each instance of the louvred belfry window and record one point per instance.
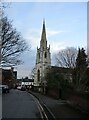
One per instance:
(45, 54)
(38, 75)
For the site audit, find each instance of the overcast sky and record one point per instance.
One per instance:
(66, 26)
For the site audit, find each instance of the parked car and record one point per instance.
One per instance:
(22, 87)
(4, 88)
(19, 87)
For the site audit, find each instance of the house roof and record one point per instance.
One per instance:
(28, 80)
(8, 73)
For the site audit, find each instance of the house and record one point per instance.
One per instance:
(9, 76)
(27, 82)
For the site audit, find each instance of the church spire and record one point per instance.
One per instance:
(43, 36)
(44, 26)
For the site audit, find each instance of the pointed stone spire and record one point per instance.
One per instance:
(43, 36)
(44, 25)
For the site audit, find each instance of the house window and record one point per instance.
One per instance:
(38, 75)
(45, 54)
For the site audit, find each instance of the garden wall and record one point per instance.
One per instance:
(78, 99)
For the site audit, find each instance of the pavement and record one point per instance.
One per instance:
(60, 109)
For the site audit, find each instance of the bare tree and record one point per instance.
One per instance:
(67, 57)
(32, 75)
(12, 43)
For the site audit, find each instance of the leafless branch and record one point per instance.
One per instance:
(67, 57)
(13, 45)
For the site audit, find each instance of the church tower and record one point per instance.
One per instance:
(43, 58)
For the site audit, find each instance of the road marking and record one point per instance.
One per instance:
(40, 108)
(50, 112)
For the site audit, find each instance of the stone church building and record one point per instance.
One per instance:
(43, 59)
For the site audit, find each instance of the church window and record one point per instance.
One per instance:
(45, 54)
(39, 55)
(38, 75)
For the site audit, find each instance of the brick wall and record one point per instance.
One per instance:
(79, 99)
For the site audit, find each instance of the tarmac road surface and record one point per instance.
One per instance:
(19, 104)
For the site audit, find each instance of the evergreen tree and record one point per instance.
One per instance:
(80, 69)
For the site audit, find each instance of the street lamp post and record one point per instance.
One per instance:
(44, 86)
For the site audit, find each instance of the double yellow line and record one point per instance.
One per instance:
(41, 110)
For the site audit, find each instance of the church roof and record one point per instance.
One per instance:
(61, 69)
